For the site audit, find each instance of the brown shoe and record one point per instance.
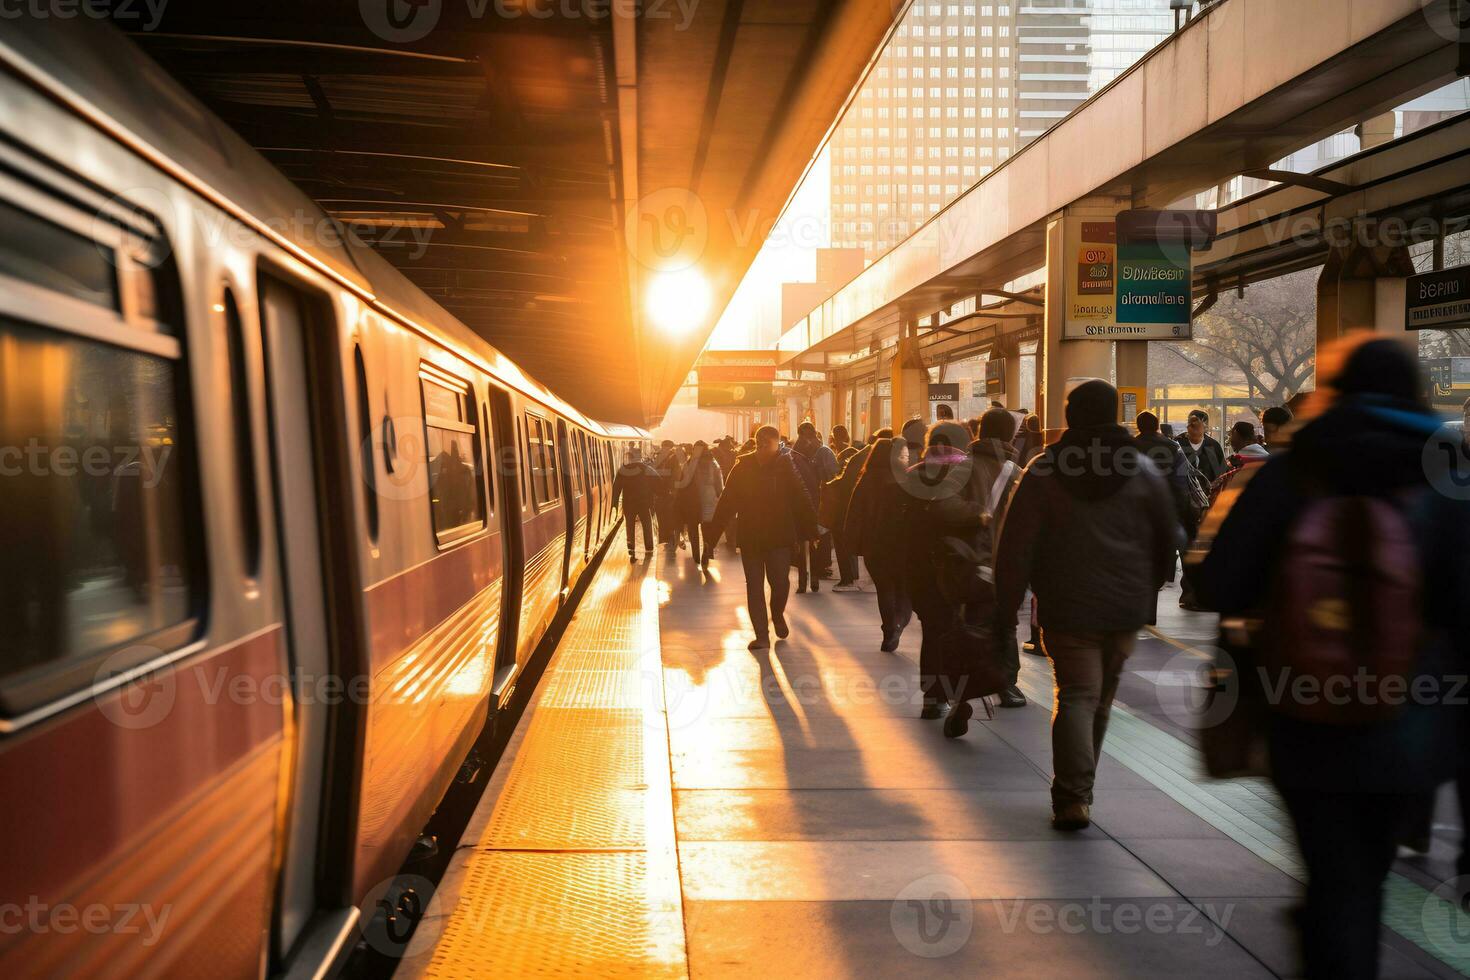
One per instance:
(1071, 816)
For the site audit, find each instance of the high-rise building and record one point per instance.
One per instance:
(962, 86)
(934, 116)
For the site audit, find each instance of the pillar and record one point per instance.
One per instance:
(910, 379)
(1361, 287)
(1063, 360)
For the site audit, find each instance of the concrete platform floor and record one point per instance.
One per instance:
(814, 826)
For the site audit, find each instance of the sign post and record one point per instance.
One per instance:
(1438, 300)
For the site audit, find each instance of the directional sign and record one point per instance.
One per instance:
(1154, 287)
(1438, 300)
(755, 394)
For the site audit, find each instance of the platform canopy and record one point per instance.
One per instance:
(497, 150)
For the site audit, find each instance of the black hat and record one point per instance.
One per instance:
(1092, 403)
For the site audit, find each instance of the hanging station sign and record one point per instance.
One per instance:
(1438, 300)
(737, 379)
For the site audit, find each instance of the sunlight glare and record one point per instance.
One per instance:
(678, 302)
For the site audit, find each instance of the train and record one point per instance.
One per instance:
(278, 537)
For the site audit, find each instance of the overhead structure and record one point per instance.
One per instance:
(534, 166)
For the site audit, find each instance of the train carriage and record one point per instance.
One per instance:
(285, 535)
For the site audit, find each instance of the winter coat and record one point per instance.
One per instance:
(1092, 530)
(698, 491)
(963, 512)
(836, 493)
(1173, 466)
(1252, 455)
(1209, 459)
(1363, 446)
(875, 515)
(822, 456)
(637, 486)
(769, 499)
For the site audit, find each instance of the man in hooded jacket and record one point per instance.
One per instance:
(1092, 530)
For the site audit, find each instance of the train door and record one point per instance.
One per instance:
(575, 505)
(510, 478)
(302, 384)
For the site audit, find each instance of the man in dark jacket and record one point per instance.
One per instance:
(1169, 459)
(775, 513)
(836, 495)
(1092, 530)
(637, 486)
(1202, 450)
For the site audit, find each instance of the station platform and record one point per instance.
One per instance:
(672, 804)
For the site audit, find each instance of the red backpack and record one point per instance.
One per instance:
(1343, 630)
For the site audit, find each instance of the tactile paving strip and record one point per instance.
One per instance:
(575, 873)
(586, 915)
(576, 785)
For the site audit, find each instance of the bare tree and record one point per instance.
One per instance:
(1449, 343)
(1269, 337)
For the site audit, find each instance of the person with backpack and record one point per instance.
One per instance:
(775, 514)
(637, 486)
(931, 516)
(990, 664)
(874, 529)
(1092, 530)
(1356, 566)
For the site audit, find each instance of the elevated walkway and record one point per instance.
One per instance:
(675, 805)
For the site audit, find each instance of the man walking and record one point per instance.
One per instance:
(1203, 451)
(637, 486)
(775, 513)
(1092, 530)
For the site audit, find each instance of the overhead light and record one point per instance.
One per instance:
(678, 302)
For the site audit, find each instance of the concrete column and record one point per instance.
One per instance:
(1361, 287)
(1012, 396)
(1063, 360)
(910, 379)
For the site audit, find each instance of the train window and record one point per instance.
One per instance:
(365, 439)
(456, 487)
(524, 462)
(62, 261)
(101, 565)
(542, 453)
(485, 431)
(97, 533)
(244, 442)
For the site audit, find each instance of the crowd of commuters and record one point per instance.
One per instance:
(1323, 530)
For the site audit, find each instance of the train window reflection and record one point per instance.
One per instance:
(456, 485)
(94, 550)
(40, 252)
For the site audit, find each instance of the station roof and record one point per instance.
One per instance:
(494, 152)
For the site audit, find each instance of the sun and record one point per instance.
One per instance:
(678, 302)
